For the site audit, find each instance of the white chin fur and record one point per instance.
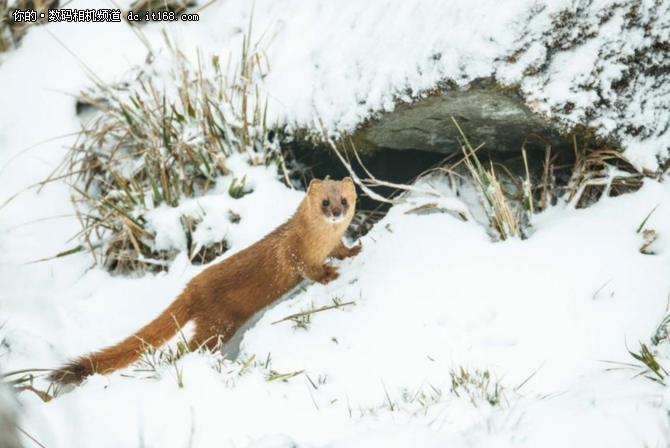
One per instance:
(332, 220)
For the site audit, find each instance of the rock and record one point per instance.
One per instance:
(486, 112)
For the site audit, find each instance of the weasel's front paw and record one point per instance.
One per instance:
(329, 274)
(355, 250)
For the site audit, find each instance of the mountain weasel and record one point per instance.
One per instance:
(225, 295)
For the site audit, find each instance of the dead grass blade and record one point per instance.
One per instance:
(310, 312)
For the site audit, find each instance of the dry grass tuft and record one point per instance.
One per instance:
(153, 360)
(601, 172)
(595, 173)
(152, 146)
(505, 221)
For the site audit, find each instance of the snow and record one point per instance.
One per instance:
(601, 64)
(601, 71)
(258, 213)
(432, 293)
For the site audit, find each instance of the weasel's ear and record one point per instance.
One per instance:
(314, 185)
(348, 182)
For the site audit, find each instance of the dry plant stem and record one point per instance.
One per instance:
(577, 171)
(374, 182)
(505, 219)
(318, 310)
(547, 190)
(513, 179)
(452, 169)
(30, 148)
(607, 178)
(434, 206)
(358, 181)
(546, 186)
(437, 167)
(25, 433)
(527, 187)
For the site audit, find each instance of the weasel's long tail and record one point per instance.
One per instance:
(105, 361)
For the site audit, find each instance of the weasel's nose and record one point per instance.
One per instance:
(337, 212)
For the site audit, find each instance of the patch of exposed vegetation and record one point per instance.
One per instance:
(478, 386)
(152, 145)
(647, 364)
(510, 199)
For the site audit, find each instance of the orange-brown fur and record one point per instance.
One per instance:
(224, 296)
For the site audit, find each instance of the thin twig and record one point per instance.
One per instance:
(307, 313)
(28, 435)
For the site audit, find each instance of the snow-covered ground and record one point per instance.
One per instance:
(433, 294)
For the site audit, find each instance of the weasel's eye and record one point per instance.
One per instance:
(325, 203)
(344, 201)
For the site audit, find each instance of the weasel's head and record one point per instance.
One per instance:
(334, 200)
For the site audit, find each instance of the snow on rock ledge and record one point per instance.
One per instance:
(486, 112)
(603, 64)
(599, 63)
